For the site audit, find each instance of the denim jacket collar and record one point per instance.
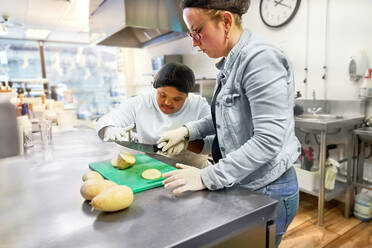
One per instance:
(220, 65)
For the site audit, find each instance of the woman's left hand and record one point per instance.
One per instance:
(185, 179)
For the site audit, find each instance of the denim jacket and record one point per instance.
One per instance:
(254, 117)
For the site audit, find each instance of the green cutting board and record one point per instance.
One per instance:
(132, 176)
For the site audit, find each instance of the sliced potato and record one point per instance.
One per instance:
(113, 199)
(93, 187)
(92, 175)
(125, 160)
(151, 174)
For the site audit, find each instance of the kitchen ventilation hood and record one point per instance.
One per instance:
(136, 23)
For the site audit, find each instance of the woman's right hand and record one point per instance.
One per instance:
(174, 141)
(117, 133)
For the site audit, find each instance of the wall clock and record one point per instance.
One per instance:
(277, 13)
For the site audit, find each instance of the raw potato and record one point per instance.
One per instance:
(125, 160)
(151, 174)
(113, 199)
(93, 187)
(92, 175)
(114, 162)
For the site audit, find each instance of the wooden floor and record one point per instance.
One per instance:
(337, 232)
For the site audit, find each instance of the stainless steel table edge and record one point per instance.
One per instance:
(237, 233)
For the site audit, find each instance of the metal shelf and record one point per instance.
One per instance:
(29, 80)
(340, 189)
(364, 184)
(365, 136)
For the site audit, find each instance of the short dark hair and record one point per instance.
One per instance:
(176, 75)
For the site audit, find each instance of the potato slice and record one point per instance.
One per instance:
(151, 174)
(125, 160)
(113, 199)
(92, 175)
(93, 187)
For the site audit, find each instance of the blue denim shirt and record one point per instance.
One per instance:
(254, 117)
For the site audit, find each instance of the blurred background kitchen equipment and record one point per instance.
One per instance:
(206, 87)
(158, 61)
(363, 205)
(25, 137)
(8, 128)
(133, 23)
(46, 132)
(366, 86)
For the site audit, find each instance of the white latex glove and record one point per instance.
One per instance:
(188, 178)
(117, 133)
(176, 149)
(174, 141)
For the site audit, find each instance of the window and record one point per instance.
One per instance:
(91, 73)
(19, 60)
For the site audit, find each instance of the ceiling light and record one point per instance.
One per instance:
(37, 34)
(3, 29)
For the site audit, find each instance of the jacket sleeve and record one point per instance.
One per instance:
(120, 117)
(200, 129)
(207, 148)
(265, 84)
(205, 112)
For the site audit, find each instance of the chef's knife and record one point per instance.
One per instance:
(150, 150)
(163, 159)
(147, 148)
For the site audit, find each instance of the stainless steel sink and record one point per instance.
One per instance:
(364, 133)
(331, 123)
(320, 117)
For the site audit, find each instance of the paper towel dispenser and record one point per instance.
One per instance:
(358, 66)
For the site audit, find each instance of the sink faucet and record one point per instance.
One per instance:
(314, 110)
(298, 94)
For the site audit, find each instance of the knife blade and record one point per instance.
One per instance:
(163, 159)
(147, 148)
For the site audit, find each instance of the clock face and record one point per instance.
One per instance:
(276, 13)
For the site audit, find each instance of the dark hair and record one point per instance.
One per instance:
(239, 7)
(176, 75)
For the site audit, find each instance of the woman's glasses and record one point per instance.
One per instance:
(195, 32)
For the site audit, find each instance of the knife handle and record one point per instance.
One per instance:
(156, 149)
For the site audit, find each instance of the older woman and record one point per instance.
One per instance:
(169, 106)
(252, 112)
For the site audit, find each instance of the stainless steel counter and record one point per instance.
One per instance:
(41, 206)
